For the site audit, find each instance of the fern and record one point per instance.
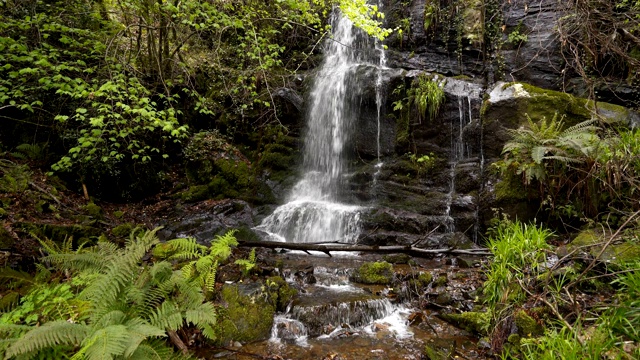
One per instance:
(131, 305)
(221, 245)
(49, 334)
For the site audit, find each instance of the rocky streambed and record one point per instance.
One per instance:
(352, 306)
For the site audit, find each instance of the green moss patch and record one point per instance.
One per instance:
(527, 326)
(472, 321)
(244, 317)
(380, 272)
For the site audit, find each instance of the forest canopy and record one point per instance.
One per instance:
(111, 85)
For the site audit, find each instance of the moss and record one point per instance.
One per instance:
(592, 242)
(280, 292)
(440, 281)
(510, 188)
(397, 258)
(162, 251)
(527, 326)
(380, 272)
(421, 281)
(93, 210)
(425, 278)
(514, 339)
(3, 212)
(123, 230)
(61, 232)
(472, 321)
(433, 353)
(245, 318)
(195, 193)
(118, 214)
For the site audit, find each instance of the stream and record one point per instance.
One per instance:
(334, 318)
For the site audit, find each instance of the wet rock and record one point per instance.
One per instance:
(510, 103)
(444, 299)
(535, 60)
(467, 262)
(206, 219)
(440, 349)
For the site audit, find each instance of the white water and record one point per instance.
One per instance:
(313, 212)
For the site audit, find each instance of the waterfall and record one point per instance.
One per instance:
(313, 212)
(460, 150)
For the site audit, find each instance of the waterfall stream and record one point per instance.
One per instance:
(313, 212)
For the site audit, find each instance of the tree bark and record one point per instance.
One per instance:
(328, 247)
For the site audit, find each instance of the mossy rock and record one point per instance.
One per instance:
(397, 258)
(472, 321)
(93, 210)
(539, 103)
(380, 272)
(527, 326)
(592, 241)
(123, 230)
(246, 315)
(280, 292)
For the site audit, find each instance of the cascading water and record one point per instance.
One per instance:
(459, 151)
(313, 213)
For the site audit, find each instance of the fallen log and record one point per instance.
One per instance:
(328, 247)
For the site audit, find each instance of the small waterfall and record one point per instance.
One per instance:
(460, 150)
(313, 212)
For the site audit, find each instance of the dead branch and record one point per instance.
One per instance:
(328, 247)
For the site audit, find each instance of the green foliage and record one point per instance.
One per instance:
(575, 163)
(424, 163)
(201, 262)
(115, 83)
(427, 95)
(248, 264)
(129, 305)
(431, 9)
(519, 251)
(566, 344)
(516, 36)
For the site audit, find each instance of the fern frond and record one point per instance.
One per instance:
(221, 245)
(156, 350)
(167, 316)
(106, 343)
(50, 334)
(9, 301)
(139, 332)
(186, 248)
(79, 261)
(203, 314)
(210, 278)
(7, 273)
(114, 317)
